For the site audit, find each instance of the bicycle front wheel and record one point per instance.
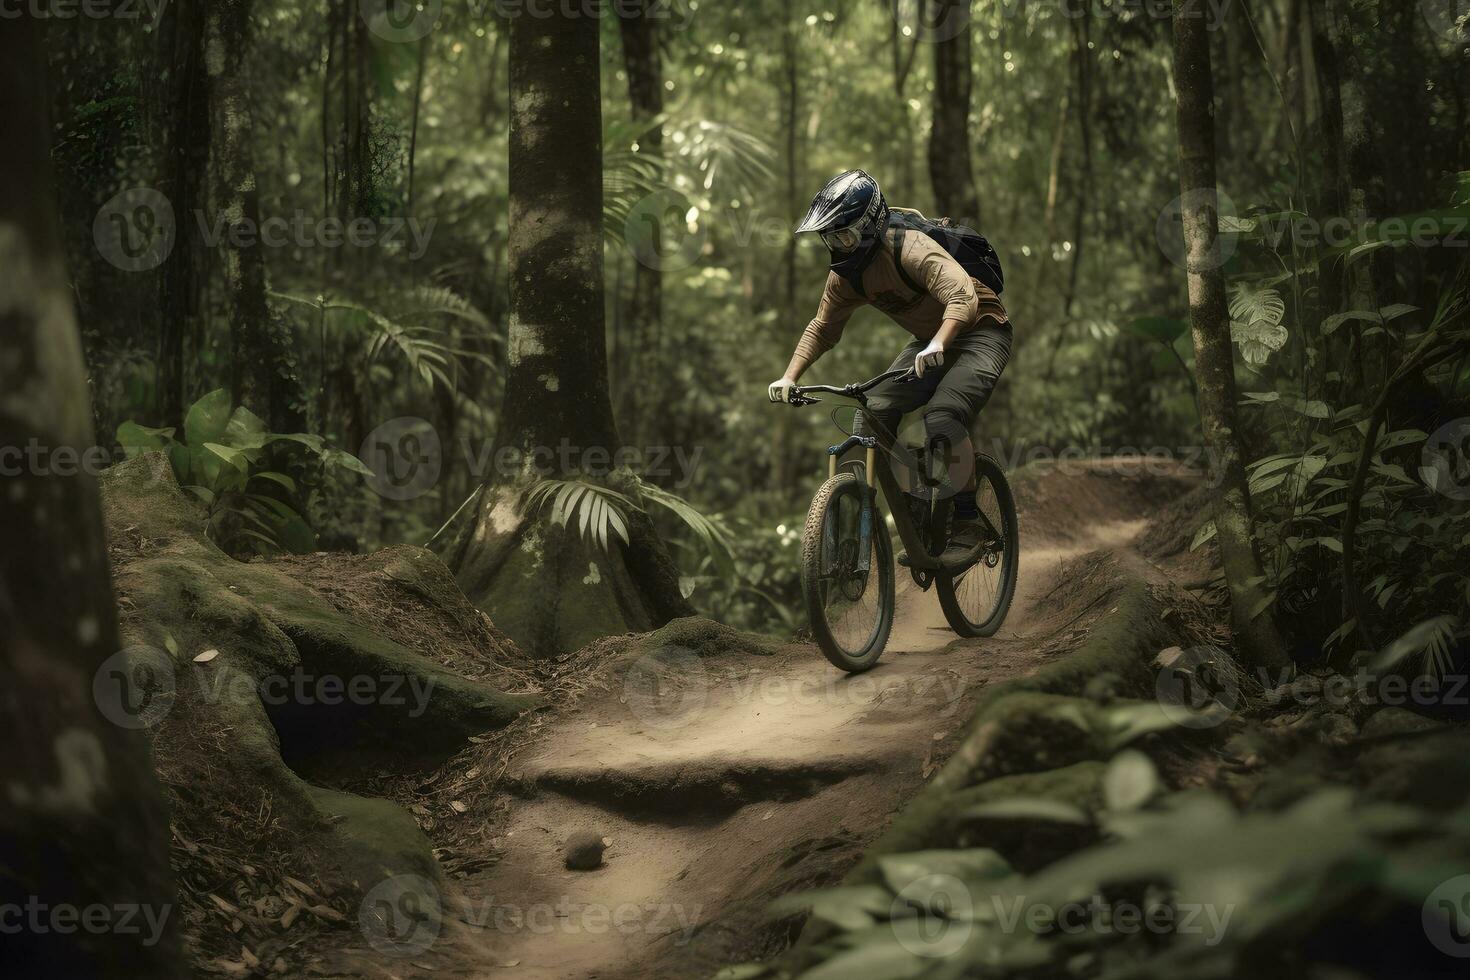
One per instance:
(849, 593)
(977, 600)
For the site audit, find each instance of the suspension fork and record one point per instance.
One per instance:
(869, 492)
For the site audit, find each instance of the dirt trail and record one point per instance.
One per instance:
(758, 777)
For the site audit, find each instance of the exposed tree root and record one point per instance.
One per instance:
(252, 668)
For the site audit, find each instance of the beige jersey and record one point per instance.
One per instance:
(952, 295)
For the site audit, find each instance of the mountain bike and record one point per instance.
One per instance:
(847, 565)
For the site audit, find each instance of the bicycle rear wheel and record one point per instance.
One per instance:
(977, 600)
(850, 606)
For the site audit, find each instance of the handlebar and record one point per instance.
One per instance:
(802, 395)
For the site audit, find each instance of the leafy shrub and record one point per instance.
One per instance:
(221, 459)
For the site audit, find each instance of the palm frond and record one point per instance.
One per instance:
(598, 511)
(400, 327)
(718, 156)
(711, 535)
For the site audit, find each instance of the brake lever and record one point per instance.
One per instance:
(796, 401)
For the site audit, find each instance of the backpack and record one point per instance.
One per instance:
(967, 246)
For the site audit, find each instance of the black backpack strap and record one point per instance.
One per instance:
(898, 260)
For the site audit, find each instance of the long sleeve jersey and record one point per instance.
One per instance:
(952, 294)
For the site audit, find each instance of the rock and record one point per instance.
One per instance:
(1396, 723)
(584, 851)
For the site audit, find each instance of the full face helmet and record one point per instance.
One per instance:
(849, 211)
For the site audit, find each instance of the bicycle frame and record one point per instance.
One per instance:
(879, 473)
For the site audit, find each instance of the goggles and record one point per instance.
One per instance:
(845, 239)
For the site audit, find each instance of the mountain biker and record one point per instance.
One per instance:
(962, 333)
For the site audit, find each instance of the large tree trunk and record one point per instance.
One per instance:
(950, 170)
(1257, 641)
(542, 583)
(643, 358)
(82, 823)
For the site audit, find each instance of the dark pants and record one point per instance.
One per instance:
(951, 396)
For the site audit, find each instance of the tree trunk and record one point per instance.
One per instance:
(83, 823)
(542, 583)
(790, 90)
(236, 201)
(950, 170)
(903, 65)
(1371, 281)
(180, 133)
(644, 310)
(1257, 641)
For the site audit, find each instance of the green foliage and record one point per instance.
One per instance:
(1316, 393)
(1256, 313)
(220, 459)
(1236, 891)
(406, 327)
(601, 513)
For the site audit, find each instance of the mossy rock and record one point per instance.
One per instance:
(373, 840)
(706, 639)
